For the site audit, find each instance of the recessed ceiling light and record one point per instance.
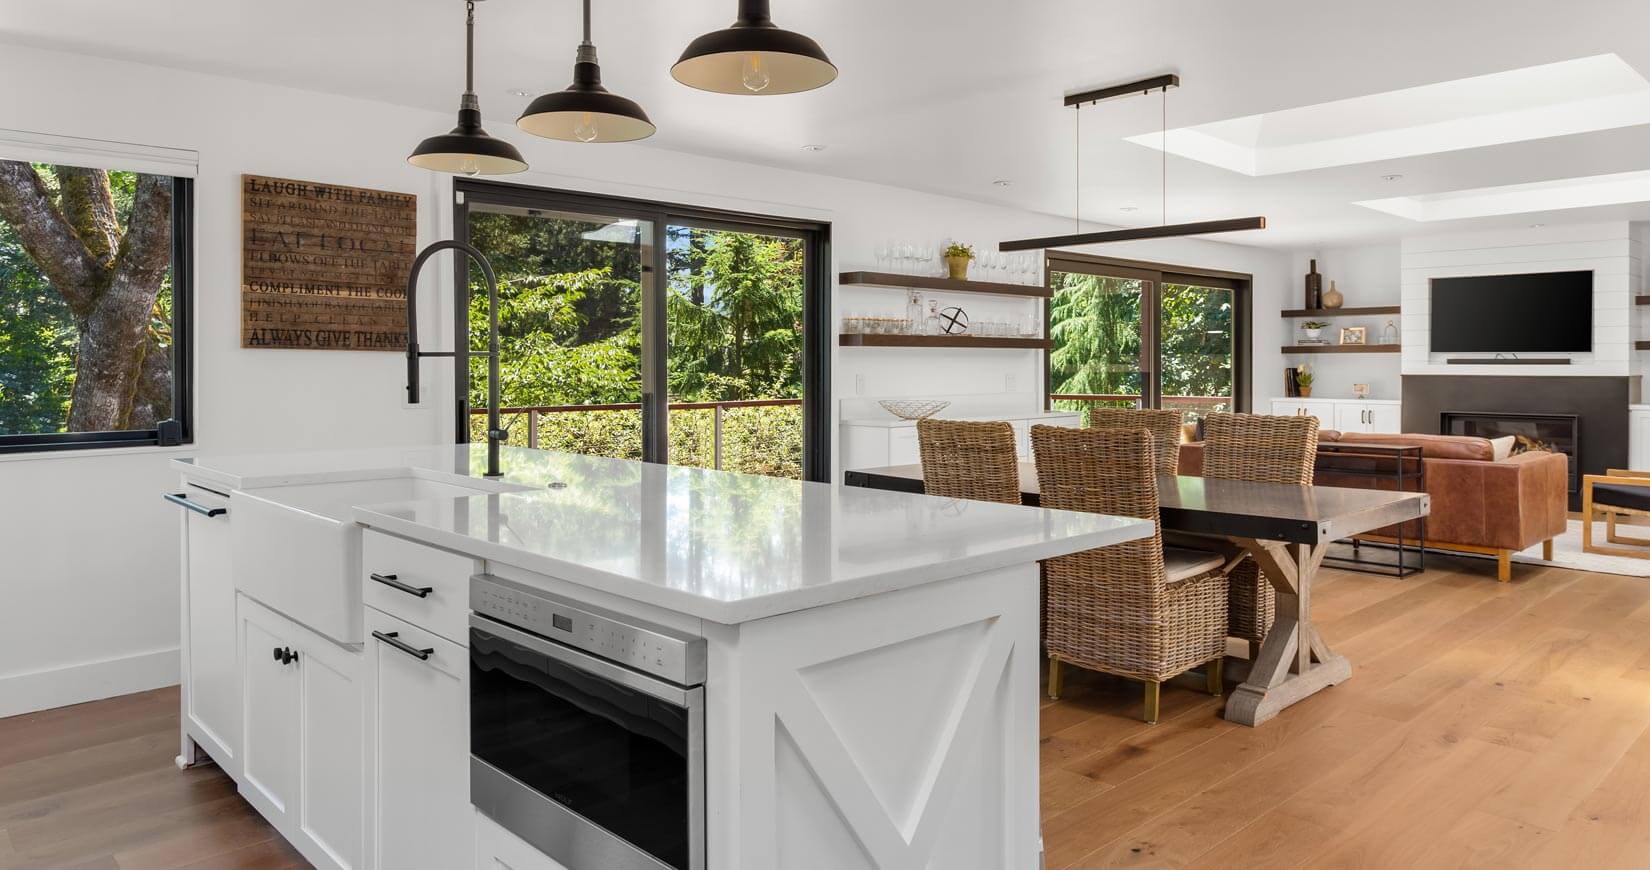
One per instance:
(1393, 177)
(1002, 182)
(1128, 208)
(1536, 226)
(813, 148)
(518, 92)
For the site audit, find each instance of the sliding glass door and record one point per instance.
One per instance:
(641, 330)
(1136, 335)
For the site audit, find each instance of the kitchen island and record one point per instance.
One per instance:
(620, 664)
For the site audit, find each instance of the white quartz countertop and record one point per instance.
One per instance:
(891, 422)
(724, 547)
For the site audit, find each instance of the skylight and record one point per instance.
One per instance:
(1574, 96)
(1559, 193)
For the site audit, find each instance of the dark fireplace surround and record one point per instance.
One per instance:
(1589, 413)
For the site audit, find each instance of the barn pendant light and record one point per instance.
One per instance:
(754, 57)
(585, 111)
(468, 150)
(1166, 229)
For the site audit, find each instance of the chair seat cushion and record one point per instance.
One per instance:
(1184, 563)
(1622, 496)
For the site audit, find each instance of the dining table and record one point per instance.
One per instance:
(1285, 528)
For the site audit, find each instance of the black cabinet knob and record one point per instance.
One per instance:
(277, 654)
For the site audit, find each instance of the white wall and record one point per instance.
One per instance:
(1367, 275)
(1610, 249)
(88, 561)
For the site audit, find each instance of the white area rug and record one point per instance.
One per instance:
(1567, 553)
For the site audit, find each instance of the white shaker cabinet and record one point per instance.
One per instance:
(1638, 433)
(418, 747)
(1323, 409)
(1368, 417)
(210, 674)
(303, 761)
(875, 443)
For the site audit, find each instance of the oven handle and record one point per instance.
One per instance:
(661, 689)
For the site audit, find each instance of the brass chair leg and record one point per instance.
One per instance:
(1153, 695)
(1054, 679)
(1213, 674)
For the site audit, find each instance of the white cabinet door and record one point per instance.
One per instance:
(418, 747)
(270, 741)
(1022, 438)
(1323, 409)
(1352, 417)
(1638, 444)
(332, 801)
(1386, 419)
(211, 669)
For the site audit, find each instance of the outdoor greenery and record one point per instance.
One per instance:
(83, 290)
(1095, 324)
(570, 306)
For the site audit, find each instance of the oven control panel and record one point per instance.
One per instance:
(634, 643)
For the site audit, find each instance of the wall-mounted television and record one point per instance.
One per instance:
(1542, 312)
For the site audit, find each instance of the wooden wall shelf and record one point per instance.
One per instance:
(1641, 300)
(1341, 312)
(867, 340)
(1641, 345)
(932, 282)
(1342, 348)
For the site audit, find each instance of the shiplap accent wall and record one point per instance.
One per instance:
(1612, 250)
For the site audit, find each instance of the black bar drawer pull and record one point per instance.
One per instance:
(391, 581)
(182, 500)
(393, 638)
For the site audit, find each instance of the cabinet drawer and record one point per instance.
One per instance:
(395, 574)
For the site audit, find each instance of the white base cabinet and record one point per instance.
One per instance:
(210, 676)
(1638, 444)
(302, 760)
(498, 849)
(879, 443)
(1346, 415)
(418, 747)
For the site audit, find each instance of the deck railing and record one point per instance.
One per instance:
(1200, 404)
(535, 412)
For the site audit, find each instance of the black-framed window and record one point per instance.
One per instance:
(650, 330)
(95, 305)
(1127, 333)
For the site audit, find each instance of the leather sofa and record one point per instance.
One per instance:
(1480, 504)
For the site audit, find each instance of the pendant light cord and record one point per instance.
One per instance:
(469, 47)
(1077, 161)
(587, 22)
(1163, 146)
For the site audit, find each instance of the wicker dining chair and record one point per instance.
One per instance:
(962, 459)
(1163, 424)
(1136, 609)
(1264, 449)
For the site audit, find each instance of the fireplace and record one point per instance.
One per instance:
(1551, 433)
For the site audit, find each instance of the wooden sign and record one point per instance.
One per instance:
(324, 267)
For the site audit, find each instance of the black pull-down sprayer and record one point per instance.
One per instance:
(496, 434)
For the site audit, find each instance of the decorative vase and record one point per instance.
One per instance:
(1332, 298)
(957, 267)
(1314, 287)
(1389, 335)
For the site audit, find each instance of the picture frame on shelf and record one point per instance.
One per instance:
(1354, 335)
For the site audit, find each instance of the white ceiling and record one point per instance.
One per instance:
(950, 95)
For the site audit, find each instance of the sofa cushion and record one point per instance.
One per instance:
(1622, 496)
(1502, 447)
(1432, 446)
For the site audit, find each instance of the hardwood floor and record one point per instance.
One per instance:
(1485, 725)
(93, 787)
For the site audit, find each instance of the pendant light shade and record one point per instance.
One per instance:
(585, 111)
(468, 149)
(754, 58)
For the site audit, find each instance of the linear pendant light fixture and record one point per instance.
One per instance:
(585, 111)
(754, 57)
(1144, 86)
(468, 149)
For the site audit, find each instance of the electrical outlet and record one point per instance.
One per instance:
(859, 385)
(1008, 382)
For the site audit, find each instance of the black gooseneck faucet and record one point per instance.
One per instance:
(496, 434)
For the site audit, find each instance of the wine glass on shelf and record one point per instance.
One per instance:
(885, 254)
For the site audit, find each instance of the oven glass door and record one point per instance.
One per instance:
(614, 755)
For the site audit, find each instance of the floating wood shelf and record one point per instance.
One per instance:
(1641, 345)
(1641, 300)
(931, 282)
(1341, 312)
(1342, 348)
(867, 340)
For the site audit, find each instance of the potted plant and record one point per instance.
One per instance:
(957, 258)
(1314, 328)
(1303, 379)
